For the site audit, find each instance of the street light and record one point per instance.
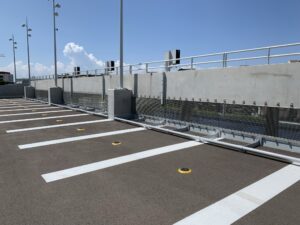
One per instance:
(28, 35)
(14, 45)
(55, 14)
(121, 45)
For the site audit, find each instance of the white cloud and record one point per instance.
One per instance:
(76, 56)
(79, 57)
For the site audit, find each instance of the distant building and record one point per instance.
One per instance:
(6, 78)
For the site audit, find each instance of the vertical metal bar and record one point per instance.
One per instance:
(121, 44)
(55, 53)
(269, 55)
(14, 51)
(130, 69)
(225, 60)
(192, 63)
(28, 51)
(147, 67)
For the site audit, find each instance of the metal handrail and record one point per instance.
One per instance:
(193, 62)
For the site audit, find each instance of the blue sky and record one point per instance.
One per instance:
(151, 28)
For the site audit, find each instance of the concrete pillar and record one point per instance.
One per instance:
(272, 121)
(120, 103)
(55, 95)
(29, 92)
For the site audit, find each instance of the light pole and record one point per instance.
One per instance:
(14, 45)
(55, 14)
(121, 45)
(28, 35)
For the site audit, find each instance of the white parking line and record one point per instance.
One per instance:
(56, 126)
(26, 103)
(27, 109)
(34, 113)
(27, 106)
(75, 171)
(239, 204)
(79, 138)
(43, 118)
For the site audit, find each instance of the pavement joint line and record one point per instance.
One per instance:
(27, 109)
(58, 126)
(34, 113)
(92, 167)
(78, 138)
(43, 118)
(244, 201)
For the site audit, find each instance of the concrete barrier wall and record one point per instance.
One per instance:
(12, 91)
(266, 85)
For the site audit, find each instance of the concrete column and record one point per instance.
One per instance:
(55, 95)
(29, 92)
(272, 121)
(120, 103)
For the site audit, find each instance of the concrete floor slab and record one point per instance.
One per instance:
(148, 191)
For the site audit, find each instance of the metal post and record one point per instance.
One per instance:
(28, 50)
(225, 60)
(54, 32)
(192, 63)
(121, 45)
(147, 67)
(269, 55)
(14, 54)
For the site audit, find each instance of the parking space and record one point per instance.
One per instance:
(75, 168)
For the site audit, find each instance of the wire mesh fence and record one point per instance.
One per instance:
(41, 95)
(275, 122)
(92, 101)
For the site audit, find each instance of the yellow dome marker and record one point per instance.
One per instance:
(80, 129)
(184, 170)
(116, 143)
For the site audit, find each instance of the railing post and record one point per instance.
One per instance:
(147, 66)
(192, 63)
(117, 70)
(225, 60)
(269, 55)
(130, 69)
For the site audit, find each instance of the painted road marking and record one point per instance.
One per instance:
(56, 126)
(27, 109)
(239, 204)
(27, 106)
(79, 138)
(75, 171)
(19, 104)
(34, 113)
(43, 118)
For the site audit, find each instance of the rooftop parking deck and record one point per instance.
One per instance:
(58, 166)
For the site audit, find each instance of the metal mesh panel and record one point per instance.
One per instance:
(86, 100)
(276, 122)
(42, 95)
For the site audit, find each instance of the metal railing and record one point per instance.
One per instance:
(220, 60)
